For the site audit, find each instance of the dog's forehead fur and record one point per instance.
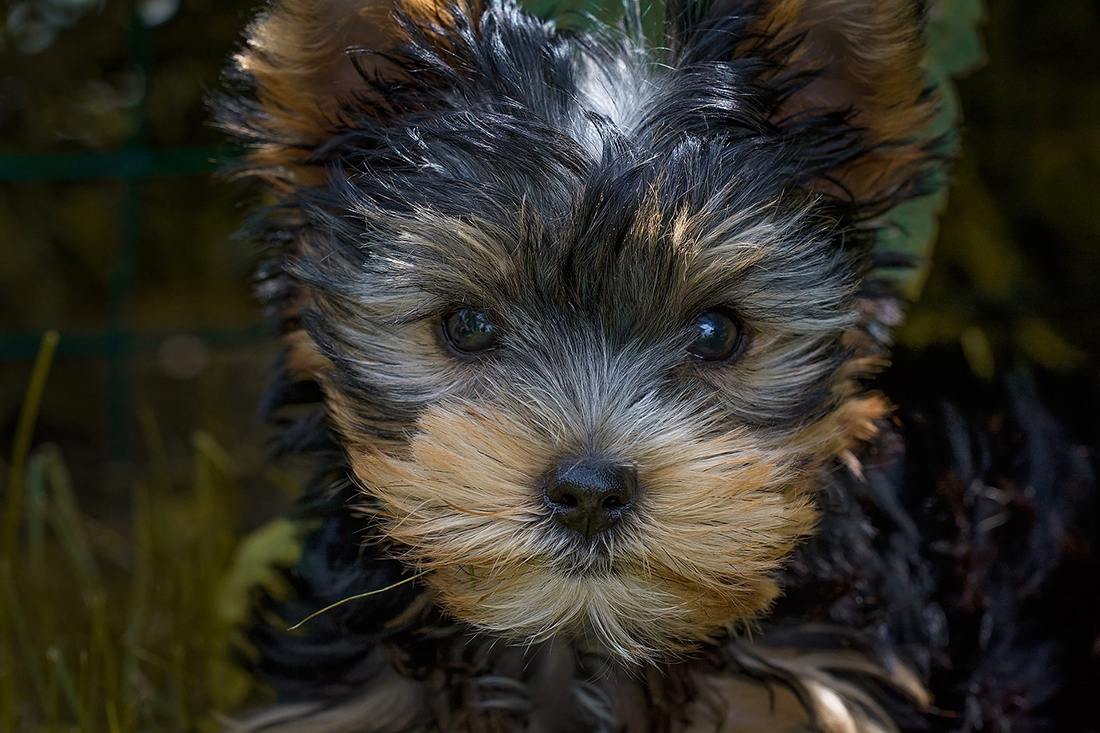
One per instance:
(516, 184)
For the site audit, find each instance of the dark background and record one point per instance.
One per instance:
(115, 232)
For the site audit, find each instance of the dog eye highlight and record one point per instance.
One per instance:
(469, 332)
(718, 336)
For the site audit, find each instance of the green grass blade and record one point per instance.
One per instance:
(67, 523)
(24, 433)
(64, 679)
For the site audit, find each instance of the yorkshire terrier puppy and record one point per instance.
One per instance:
(580, 333)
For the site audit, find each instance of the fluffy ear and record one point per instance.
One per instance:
(312, 70)
(310, 65)
(304, 66)
(849, 70)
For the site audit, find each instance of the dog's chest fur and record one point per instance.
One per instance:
(554, 700)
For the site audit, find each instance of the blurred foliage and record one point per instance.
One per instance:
(117, 609)
(120, 629)
(954, 48)
(1016, 270)
(114, 629)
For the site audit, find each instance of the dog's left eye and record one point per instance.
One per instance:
(468, 331)
(717, 336)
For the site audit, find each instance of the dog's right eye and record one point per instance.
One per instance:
(718, 336)
(469, 332)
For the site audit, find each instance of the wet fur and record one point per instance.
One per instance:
(592, 198)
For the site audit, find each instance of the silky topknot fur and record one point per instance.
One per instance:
(592, 196)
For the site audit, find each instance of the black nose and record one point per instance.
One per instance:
(590, 496)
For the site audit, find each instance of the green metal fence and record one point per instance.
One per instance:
(134, 164)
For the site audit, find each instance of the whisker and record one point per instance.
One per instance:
(356, 597)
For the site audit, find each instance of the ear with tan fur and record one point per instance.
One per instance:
(296, 57)
(848, 68)
(309, 63)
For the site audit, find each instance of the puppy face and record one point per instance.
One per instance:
(589, 326)
(594, 365)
